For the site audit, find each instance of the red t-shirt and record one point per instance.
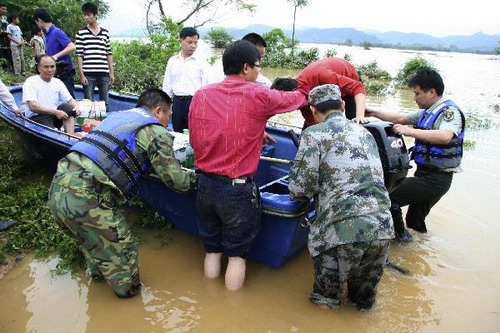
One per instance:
(227, 122)
(330, 71)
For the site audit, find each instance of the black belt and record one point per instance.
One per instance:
(183, 98)
(226, 179)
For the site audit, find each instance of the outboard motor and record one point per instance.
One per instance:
(392, 151)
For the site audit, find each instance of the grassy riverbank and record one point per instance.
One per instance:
(23, 198)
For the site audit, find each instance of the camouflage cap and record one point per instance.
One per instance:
(324, 93)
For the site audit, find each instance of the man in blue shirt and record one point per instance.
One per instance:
(58, 46)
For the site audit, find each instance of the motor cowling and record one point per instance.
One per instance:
(392, 151)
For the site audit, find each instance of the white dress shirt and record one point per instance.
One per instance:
(7, 98)
(183, 76)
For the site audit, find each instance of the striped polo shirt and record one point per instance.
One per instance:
(94, 50)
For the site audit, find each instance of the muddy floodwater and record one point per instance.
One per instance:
(453, 284)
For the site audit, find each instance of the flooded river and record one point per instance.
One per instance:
(453, 285)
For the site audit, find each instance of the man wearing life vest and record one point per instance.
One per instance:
(438, 130)
(102, 171)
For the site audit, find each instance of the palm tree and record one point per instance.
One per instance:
(296, 4)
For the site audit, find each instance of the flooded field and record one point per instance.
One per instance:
(453, 285)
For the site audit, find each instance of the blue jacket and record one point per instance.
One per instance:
(112, 145)
(434, 156)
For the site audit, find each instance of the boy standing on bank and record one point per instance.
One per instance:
(94, 56)
(15, 35)
(338, 164)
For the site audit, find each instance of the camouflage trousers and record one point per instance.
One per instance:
(361, 265)
(102, 233)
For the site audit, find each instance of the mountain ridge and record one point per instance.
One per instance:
(478, 42)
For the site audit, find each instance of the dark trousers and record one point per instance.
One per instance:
(7, 55)
(229, 215)
(350, 107)
(180, 112)
(102, 84)
(421, 193)
(69, 82)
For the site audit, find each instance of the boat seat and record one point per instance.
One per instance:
(281, 205)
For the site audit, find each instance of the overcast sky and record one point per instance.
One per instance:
(434, 17)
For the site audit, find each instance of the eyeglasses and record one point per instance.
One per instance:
(255, 65)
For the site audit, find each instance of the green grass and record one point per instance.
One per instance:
(23, 198)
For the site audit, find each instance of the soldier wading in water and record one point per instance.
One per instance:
(101, 172)
(338, 164)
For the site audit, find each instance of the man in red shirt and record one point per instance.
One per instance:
(226, 126)
(330, 71)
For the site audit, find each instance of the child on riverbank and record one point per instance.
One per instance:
(15, 35)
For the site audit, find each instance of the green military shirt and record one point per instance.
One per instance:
(338, 164)
(78, 172)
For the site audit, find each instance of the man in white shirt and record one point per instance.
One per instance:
(48, 99)
(185, 73)
(217, 72)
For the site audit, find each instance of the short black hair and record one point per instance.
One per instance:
(285, 84)
(426, 79)
(42, 14)
(3, 5)
(323, 107)
(35, 31)
(89, 7)
(11, 17)
(237, 54)
(255, 39)
(188, 32)
(153, 97)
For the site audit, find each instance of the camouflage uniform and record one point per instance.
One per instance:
(85, 203)
(338, 164)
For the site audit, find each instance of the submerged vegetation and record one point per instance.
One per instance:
(410, 68)
(375, 79)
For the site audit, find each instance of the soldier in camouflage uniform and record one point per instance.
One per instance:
(92, 183)
(338, 164)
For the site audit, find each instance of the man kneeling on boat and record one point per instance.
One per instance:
(49, 101)
(102, 171)
(338, 164)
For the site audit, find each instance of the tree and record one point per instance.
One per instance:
(219, 38)
(366, 45)
(296, 4)
(140, 65)
(200, 12)
(67, 14)
(278, 52)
